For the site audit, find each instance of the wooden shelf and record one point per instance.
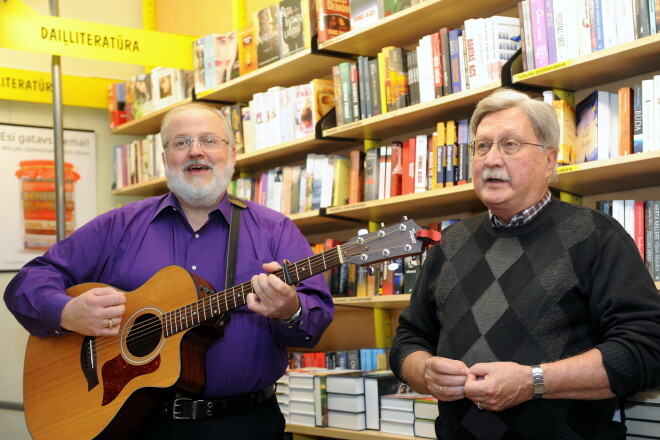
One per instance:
(442, 202)
(290, 71)
(375, 302)
(287, 153)
(148, 124)
(629, 59)
(344, 433)
(150, 188)
(406, 27)
(415, 117)
(616, 174)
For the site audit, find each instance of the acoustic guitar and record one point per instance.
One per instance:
(83, 387)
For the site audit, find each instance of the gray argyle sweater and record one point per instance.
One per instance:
(569, 280)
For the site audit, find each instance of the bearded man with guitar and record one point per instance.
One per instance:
(232, 395)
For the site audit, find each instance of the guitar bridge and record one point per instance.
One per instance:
(88, 362)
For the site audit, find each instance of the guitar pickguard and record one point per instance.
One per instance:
(117, 373)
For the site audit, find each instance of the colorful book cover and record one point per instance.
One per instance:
(267, 32)
(247, 50)
(334, 18)
(294, 24)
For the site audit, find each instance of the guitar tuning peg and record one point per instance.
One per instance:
(382, 224)
(371, 271)
(392, 267)
(404, 218)
(362, 232)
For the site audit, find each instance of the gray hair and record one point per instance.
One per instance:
(164, 125)
(541, 116)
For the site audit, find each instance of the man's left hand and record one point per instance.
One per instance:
(272, 297)
(498, 385)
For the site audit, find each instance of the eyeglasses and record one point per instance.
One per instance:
(206, 143)
(507, 146)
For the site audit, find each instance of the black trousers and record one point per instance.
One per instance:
(262, 422)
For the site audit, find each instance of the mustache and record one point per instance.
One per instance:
(495, 173)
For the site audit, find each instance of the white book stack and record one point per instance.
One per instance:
(282, 395)
(643, 414)
(426, 411)
(346, 404)
(397, 414)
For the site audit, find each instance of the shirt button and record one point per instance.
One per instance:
(57, 332)
(196, 235)
(194, 267)
(307, 338)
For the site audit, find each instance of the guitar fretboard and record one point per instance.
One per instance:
(218, 303)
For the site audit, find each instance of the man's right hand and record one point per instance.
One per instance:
(97, 312)
(445, 378)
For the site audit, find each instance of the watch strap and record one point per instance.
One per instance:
(538, 386)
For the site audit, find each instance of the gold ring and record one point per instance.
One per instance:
(480, 406)
(110, 323)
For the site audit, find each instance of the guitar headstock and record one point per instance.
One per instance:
(402, 240)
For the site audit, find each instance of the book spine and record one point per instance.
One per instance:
(446, 65)
(539, 33)
(550, 31)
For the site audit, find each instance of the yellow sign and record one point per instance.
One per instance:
(22, 28)
(540, 70)
(567, 169)
(30, 86)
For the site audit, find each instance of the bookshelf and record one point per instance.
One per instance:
(355, 316)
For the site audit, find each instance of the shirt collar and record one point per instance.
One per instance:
(523, 217)
(170, 201)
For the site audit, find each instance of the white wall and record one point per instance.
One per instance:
(118, 12)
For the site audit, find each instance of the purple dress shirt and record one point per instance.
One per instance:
(127, 246)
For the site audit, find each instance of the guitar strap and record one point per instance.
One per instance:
(237, 205)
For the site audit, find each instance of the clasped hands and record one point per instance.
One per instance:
(492, 386)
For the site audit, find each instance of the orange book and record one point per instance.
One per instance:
(247, 50)
(408, 161)
(356, 189)
(625, 121)
(396, 169)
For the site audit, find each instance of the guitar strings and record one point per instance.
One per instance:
(190, 312)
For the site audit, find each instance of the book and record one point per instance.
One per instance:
(539, 33)
(323, 98)
(365, 13)
(371, 177)
(346, 402)
(356, 184)
(426, 408)
(346, 420)
(592, 119)
(424, 428)
(267, 32)
(294, 24)
(334, 18)
(395, 427)
(377, 384)
(247, 50)
(348, 382)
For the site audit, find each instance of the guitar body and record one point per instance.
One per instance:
(78, 387)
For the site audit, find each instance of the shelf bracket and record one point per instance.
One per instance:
(323, 212)
(329, 120)
(329, 53)
(507, 75)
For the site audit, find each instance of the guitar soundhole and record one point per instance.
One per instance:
(144, 336)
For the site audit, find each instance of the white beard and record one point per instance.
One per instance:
(195, 193)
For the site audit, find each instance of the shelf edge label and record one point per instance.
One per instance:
(22, 28)
(31, 86)
(540, 70)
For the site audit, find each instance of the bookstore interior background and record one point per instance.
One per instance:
(341, 109)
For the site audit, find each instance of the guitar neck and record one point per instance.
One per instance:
(218, 303)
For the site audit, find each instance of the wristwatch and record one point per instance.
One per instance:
(293, 318)
(538, 387)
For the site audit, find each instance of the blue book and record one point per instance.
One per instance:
(550, 29)
(638, 139)
(455, 60)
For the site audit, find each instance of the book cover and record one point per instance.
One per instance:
(341, 181)
(323, 98)
(440, 156)
(396, 169)
(550, 31)
(247, 50)
(371, 177)
(346, 402)
(365, 13)
(455, 60)
(587, 121)
(294, 24)
(393, 6)
(226, 64)
(426, 408)
(648, 115)
(303, 113)
(446, 66)
(398, 77)
(421, 168)
(339, 109)
(374, 87)
(334, 18)
(567, 131)
(267, 32)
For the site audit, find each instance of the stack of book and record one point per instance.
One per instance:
(397, 414)
(426, 411)
(643, 414)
